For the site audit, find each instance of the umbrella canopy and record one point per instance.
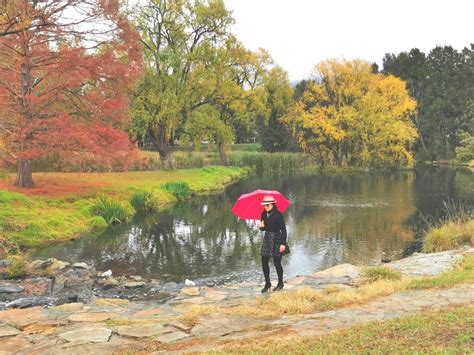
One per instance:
(248, 205)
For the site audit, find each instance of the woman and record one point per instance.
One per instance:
(274, 241)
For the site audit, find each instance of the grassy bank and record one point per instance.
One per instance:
(451, 235)
(448, 331)
(59, 207)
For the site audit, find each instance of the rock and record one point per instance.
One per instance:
(182, 326)
(136, 278)
(37, 264)
(111, 302)
(111, 282)
(38, 286)
(189, 283)
(341, 270)
(42, 264)
(171, 337)
(147, 313)
(469, 252)
(221, 325)
(27, 302)
(90, 317)
(210, 283)
(8, 287)
(107, 273)
(216, 296)
(142, 330)
(7, 331)
(59, 265)
(191, 291)
(5, 263)
(134, 284)
(422, 264)
(81, 265)
(69, 307)
(58, 284)
(87, 334)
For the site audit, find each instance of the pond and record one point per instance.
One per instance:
(359, 218)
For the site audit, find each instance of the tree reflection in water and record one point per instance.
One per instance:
(357, 218)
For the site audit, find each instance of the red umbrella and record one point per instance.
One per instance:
(248, 205)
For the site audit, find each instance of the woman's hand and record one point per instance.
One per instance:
(282, 248)
(261, 225)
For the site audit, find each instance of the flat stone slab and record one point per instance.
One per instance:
(171, 337)
(69, 307)
(342, 270)
(8, 287)
(420, 264)
(142, 330)
(221, 325)
(90, 317)
(87, 334)
(135, 284)
(191, 291)
(7, 331)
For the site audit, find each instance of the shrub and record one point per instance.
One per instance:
(179, 189)
(382, 273)
(19, 266)
(144, 201)
(112, 211)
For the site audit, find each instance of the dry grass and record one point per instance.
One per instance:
(308, 300)
(449, 236)
(381, 273)
(192, 318)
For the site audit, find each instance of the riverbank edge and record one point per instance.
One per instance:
(197, 320)
(74, 218)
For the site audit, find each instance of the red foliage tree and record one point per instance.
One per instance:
(66, 68)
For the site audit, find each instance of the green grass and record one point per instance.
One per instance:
(382, 273)
(111, 210)
(464, 273)
(442, 332)
(179, 189)
(144, 201)
(60, 207)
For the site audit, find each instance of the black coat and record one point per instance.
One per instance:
(274, 223)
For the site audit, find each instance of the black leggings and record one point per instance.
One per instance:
(266, 268)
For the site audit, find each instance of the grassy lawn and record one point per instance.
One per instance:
(59, 206)
(449, 331)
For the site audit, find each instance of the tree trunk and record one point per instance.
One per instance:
(161, 144)
(166, 162)
(223, 155)
(24, 176)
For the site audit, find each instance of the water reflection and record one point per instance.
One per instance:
(357, 218)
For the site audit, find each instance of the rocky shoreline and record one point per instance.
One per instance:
(76, 309)
(54, 282)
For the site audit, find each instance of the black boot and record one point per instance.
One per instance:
(278, 287)
(266, 288)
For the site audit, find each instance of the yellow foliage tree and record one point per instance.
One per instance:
(351, 116)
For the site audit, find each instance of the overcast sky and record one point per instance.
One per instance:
(300, 33)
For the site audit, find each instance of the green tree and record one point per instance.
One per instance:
(443, 85)
(177, 36)
(273, 134)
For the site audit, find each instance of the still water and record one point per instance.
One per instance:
(337, 218)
